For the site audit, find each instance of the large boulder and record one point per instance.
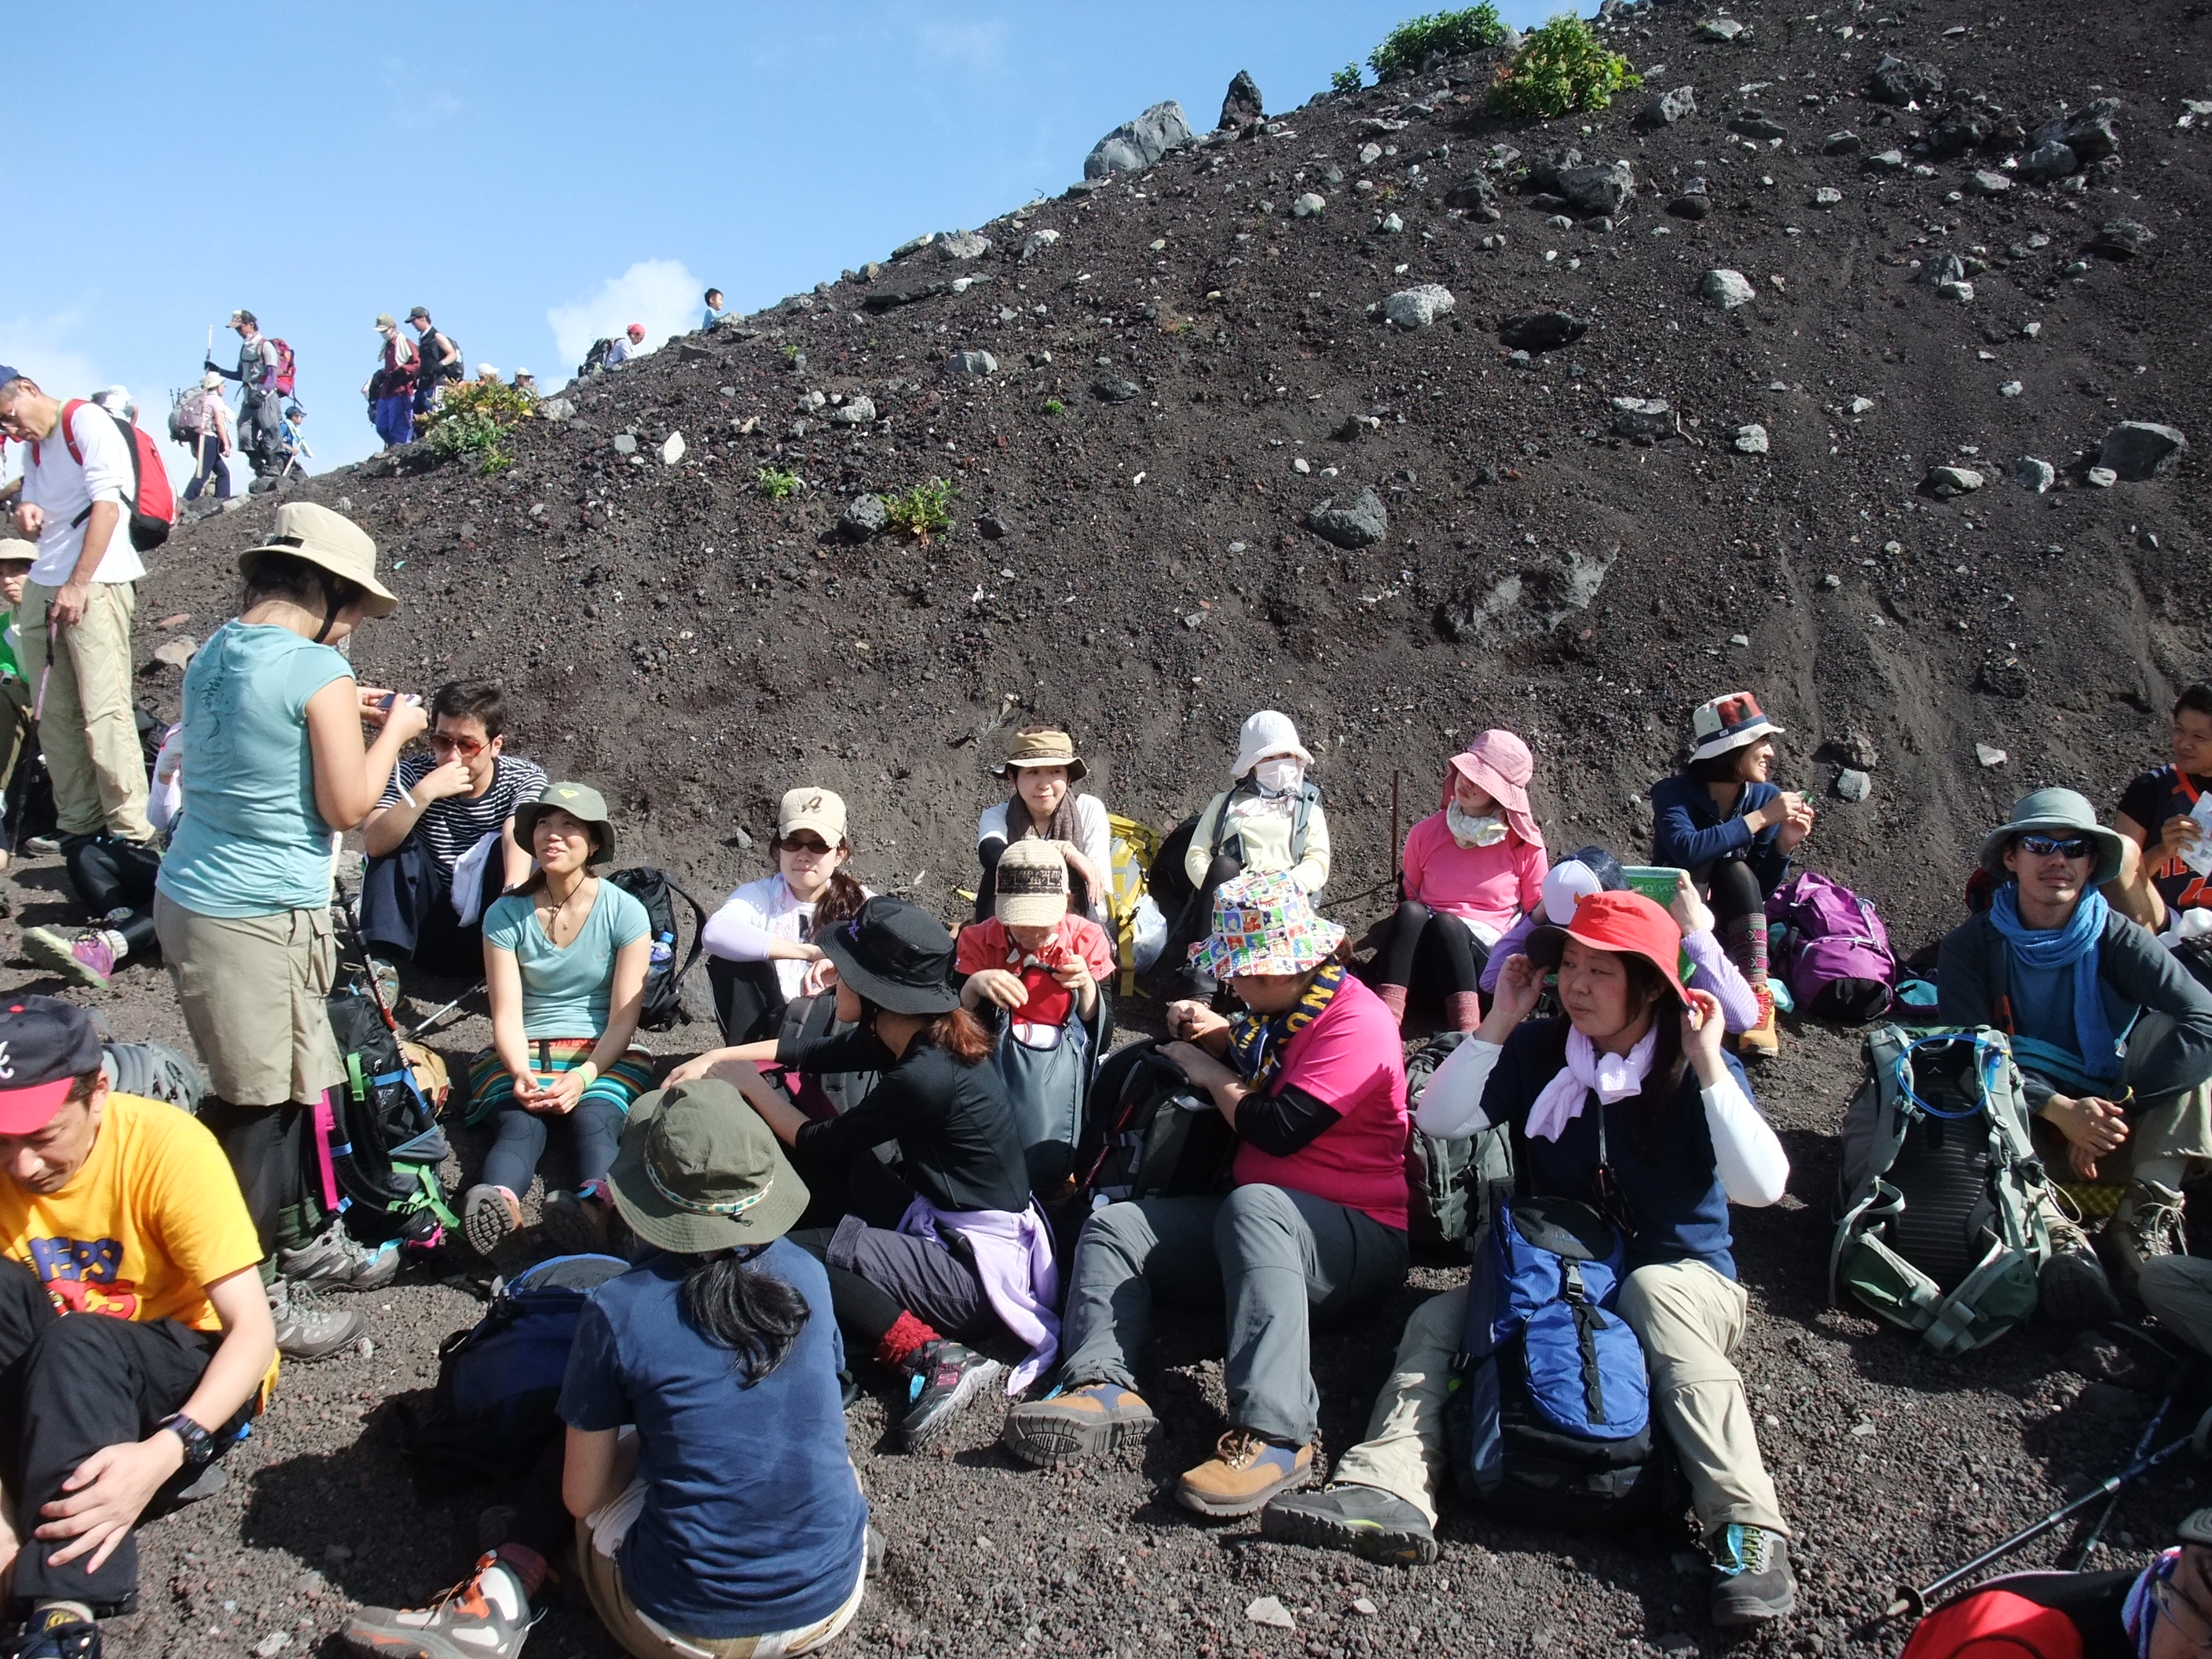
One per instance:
(2087, 131)
(1540, 330)
(1418, 308)
(1135, 145)
(2137, 450)
(1727, 288)
(1901, 80)
(1242, 107)
(1595, 192)
(1666, 108)
(1362, 522)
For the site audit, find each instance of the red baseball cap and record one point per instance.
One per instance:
(46, 1046)
(1627, 923)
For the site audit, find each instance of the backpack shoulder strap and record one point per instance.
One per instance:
(698, 935)
(1301, 818)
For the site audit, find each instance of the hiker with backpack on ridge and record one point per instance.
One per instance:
(1734, 832)
(438, 361)
(263, 375)
(1044, 769)
(948, 1251)
(390, 389)
(203, 418)
(278, 767)
(761, 953)
(2112, 1036)
(1311, 1079)
(1625, 1104)
(565, 957)
(86, 490)
(1471, 870)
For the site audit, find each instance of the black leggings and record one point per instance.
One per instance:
(1441, 944)
(115, 880)
(269, 1147)
(749, 998)
(595, 1130)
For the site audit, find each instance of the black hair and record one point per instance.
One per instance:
(274, 575)
(1663, 996)
(753, 1313)
(959, 1033)
(484, 700)
(2194, 699)
(1724, 768)
(81, 1085)
(712, 295)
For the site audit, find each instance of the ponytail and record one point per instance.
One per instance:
(751, 1313)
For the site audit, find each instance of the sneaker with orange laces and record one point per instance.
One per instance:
(486, 1618)
(1243, 1473)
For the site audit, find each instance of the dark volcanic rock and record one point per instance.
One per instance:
(1361, 522)
(2087, 131)
(905, 293)
(2122, 239)
(1900, 82)
(1540, 330)
(2137, 450)
(1757, 124)
(1242, 107)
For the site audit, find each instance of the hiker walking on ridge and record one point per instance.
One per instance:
(391, 389)
(261, 365)
(439, 360)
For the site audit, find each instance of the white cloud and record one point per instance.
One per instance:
(970, 45)
(661, 294)
(42, 347)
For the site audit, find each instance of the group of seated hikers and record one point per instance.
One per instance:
(900, 1157)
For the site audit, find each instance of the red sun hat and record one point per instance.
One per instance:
(1625, 923)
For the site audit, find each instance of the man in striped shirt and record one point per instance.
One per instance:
(441, 842)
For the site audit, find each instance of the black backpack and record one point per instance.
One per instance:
(491, 1414)
(1451, 1186)
(664, 979)
(457, 369)
(381, 1136)
(597, 354)
(1150, 1133)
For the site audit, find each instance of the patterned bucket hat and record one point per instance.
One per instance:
(1264, 923)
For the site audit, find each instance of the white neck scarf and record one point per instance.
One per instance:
(1469, 831)
(1615, 1077)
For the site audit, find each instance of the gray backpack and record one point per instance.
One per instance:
(1940, 1226)
(1451, 1185)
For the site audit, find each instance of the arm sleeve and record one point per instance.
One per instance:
(1098, 839)
(1451, 1104)
(979, 946)
(1534, 864)
(1097, 950)
(1284, 1121)
(1513, 943)
(1413, 862)
(503, 923)
(404, 776)
(1711, 971)
(1677, 840)
(590, 1389)
(1198, 857)
(1311, 871)
(2145, 802)
(735, 932)
(627, 924)
(106, 455)
(992, 825)
(1749, 1158)
(2145, 972)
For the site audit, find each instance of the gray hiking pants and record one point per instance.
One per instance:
(2179, 1289)
(1275, 1260)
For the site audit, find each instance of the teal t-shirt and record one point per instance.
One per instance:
(567, 990)
(250, 842)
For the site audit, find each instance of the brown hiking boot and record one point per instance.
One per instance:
(1092, 1421)
(2147, 1224)
(1242, 1475)
(1762, 1041)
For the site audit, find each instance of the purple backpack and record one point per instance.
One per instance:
(1838, 962)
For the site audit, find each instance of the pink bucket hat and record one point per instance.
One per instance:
(1500, 765)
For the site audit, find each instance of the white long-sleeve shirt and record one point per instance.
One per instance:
(1752, 1168)
(756, 914)
(64, 491)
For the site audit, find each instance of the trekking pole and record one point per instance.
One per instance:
(2105, 1515)
(1908, 1600)
(437, 1014)
(1397, 847)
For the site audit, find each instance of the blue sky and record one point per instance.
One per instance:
(540, 174)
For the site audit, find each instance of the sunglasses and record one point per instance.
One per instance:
(467, 748)
(806, 844)
(2043, 846)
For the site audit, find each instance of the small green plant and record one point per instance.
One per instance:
(1560, 67)
(1345, 80)
(923, 511)
(775, 483)
(1054, 406)
(472, 419)
(790, 352)
(1440, 33)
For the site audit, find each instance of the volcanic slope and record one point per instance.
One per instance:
(1178, 379)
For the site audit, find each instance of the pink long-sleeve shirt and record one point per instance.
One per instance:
(1493, 885)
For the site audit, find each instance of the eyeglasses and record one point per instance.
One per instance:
(464, 748)
(2043, 846)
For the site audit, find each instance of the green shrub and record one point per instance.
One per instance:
(471, 420)
(1409, 45)
(1346, 80)
(1561, 67)
(774, 483)
(923, 511)
(1054, 406)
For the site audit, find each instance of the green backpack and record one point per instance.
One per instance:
(1941, 1195)
(1449, 1184)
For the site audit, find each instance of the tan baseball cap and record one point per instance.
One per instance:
(384, 320)
(809, 808)
(1032, 885)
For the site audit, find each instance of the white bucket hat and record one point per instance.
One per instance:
(1266, 733)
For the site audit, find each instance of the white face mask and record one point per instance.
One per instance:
(1471, 832)
(1279, 776)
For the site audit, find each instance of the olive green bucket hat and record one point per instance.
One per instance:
(578, 800)
(698, 1171)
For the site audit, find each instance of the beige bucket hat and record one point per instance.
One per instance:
(333, 541)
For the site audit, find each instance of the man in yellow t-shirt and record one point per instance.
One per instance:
(135, 1335)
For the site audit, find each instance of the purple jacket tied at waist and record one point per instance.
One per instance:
(1014, 1261)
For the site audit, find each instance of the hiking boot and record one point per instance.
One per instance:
(58, 1634)
(83, 957)
(943, 1377)
(333, 1262)
(1367, 1522)
(489, 1215)
(1752, 1580)
(487, 1618)
(573, 1223)
(1094, 1420)
(1245, 1474)
(2072, 1287)
(2147, 1224)
(305, 1330)
(1762, 1041)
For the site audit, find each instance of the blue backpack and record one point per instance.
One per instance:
(492, 1413)
(1548, 1420)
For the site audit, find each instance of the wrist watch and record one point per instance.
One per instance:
(199, 1444)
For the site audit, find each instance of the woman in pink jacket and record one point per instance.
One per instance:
(1472, 869)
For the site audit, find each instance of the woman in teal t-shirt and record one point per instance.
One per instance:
(565, 960)
(273, 746)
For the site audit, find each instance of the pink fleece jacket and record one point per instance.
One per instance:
(1493, 885)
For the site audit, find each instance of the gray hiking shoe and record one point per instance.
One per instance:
(942, 1377)
(2147, 1224)
(334, 1262)
(573, 1223)
(1752, 1580)
(307, 1329)
(488, 1214)
(487, 1618)
(1367, 1522)
(2072, 1287)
